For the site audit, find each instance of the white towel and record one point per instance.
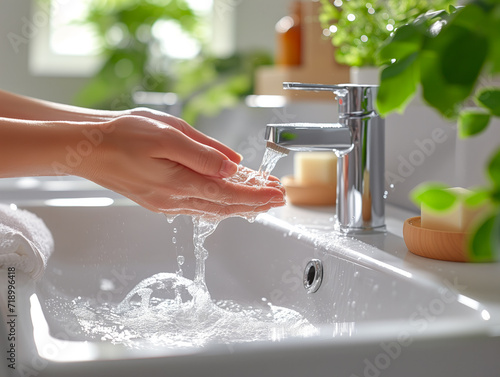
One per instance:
(25, 241)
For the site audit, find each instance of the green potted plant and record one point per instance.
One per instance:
(129, 48)
(446, 53)
(358, 28)
(129, 30)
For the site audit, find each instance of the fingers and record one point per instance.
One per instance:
(229, 193)
(198, 136)
(248, 176)
(196, 156)
(196, 206)
(207, 201)
(199, 194)
(207, 140)
(273, 179)
(246, 187)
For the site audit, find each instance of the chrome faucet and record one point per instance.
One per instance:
(358, 141)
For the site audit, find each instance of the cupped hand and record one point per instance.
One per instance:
(169, 168)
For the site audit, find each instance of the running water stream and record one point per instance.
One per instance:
(169, 310)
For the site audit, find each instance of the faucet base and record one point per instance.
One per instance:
(359, 231)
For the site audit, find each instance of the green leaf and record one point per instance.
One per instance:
(472, 122)
(430, 16)
(490, 99)
(495, 195)
(434, 196)
(477, 197)
(494, 168)
(439, 94)
(472, 17)
(494, 37)
(463, 57)
(406, 40)
(450, 66)
(484, 245)
(398, 85)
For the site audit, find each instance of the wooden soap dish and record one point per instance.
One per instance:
(435, 244)
(311, 195)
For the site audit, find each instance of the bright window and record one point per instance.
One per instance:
(67, 35)
(63, 46)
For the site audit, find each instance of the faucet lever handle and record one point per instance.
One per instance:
(357, 99)
(313, 87)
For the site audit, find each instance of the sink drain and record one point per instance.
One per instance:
(313, 275)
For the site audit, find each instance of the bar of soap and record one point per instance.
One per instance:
(459, 218)
(315, 168)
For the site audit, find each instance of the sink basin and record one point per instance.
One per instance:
(379, 310)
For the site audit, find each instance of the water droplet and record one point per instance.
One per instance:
(175, 230)
(174, 240)
(251, 217)
(391, 186)
(180, 260)
(107, 285)
(170, 218)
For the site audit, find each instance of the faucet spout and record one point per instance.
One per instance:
(310, 136)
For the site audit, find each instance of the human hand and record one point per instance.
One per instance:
(172, 168)
(185, 128)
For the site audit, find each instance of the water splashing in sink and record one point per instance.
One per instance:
(169, 310)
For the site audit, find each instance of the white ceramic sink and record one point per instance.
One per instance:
(379, 311)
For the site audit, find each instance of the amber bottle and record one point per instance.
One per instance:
(289, 37)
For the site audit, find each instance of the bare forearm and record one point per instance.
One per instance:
(20, 107)
(34, 148)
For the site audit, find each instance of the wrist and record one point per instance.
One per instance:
(81, 154)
